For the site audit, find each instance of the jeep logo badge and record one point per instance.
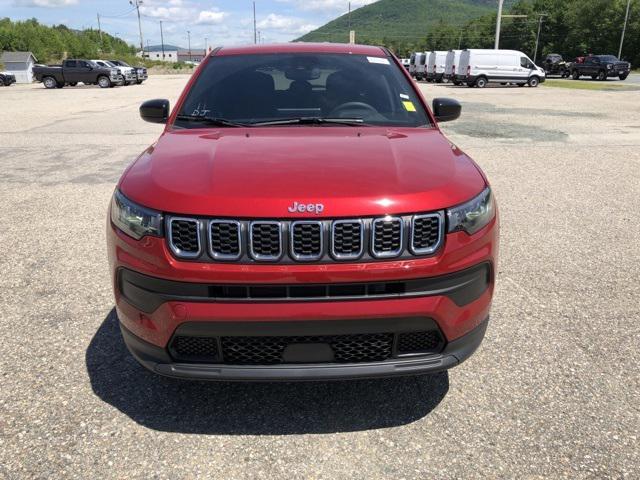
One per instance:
(316, 208)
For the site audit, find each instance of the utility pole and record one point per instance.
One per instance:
(255, 31)
(161, 40)
(137, 3)
(189, 40)
(535, 55)
(624, 29)
(349, 16)
(100, 31)
(498, 21)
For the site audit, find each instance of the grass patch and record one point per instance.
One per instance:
(589, 85)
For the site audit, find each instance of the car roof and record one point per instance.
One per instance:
(303, 47)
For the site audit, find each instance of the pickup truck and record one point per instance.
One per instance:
(554, 64)
(127, 73)
(73, 71)
(7, 79)
(600, 67)
(140, 72)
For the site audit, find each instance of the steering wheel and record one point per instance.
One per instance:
(352, 106)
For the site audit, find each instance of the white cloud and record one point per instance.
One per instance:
(328, 5)
(180, 11)
(282, 23)
(166, 13)
(211, 17)
(44, 3)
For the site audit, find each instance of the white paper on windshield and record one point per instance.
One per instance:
(381, 61)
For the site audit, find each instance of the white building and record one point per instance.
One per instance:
(20, 64)
(154, 52)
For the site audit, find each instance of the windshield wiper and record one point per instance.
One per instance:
(312, 121)
(218, 122)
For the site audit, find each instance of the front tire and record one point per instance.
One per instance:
(49, 82)
(534, 82)
(602, 75)
(139, 82)
(623, 77)
(481, 82)
(104, 82)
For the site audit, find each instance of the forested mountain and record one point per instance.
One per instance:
(570, 27)
(398, 22)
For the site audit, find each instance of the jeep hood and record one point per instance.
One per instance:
(260, 172)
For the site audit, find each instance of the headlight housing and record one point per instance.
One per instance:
(473, 215)
(134, 220)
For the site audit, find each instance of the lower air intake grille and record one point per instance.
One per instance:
(195, 349)
(271, 350)
(419, 342)
(366, 347)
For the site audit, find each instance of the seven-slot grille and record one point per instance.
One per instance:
(248, 241)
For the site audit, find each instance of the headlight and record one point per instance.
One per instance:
(134, 220)
(473, 215)
(609, 67)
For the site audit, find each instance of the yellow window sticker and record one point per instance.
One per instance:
(409, 106)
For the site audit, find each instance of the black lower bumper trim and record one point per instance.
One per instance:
(157, 360)
(148, 293)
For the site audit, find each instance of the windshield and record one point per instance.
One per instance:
(608, 58)
(252, 89)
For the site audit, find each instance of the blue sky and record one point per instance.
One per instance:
(224, 22)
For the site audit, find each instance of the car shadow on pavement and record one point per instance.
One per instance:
(174, 405)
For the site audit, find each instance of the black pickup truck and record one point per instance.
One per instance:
(600, 67)
(74, 71)
(7, 79)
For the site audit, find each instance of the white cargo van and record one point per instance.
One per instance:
(435, 66)
(479, 67)
(412, 64)
(421, 65)
(451, 64)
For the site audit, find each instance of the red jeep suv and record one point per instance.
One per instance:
(302, 217)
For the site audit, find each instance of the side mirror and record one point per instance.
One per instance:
(446, 109)
(155, 111)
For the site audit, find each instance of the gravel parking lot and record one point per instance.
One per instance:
(553, 392)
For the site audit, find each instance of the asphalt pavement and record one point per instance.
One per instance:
(552, 393)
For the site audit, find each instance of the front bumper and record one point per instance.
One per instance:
(117, 79)
(159, 361)
(157, 296)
